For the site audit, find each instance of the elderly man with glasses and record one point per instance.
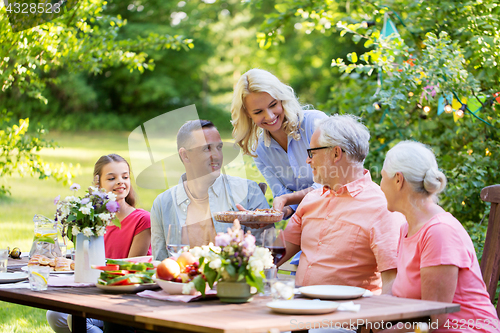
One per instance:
(346, 234)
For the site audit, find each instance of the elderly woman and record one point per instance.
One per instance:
(270, 125)
(436, 257)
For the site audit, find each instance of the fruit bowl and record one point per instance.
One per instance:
(170, 287)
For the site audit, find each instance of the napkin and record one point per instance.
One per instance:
(349, 306)
(367, 293)
(66, 280)
(162, 295)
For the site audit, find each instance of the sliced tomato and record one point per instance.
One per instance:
(107, 267)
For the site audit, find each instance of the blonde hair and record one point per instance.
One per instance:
(245, 132)
(418, 165)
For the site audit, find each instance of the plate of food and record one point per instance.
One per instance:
(52, 270)
(124, 276)
(303, 306)
(332, 292)
(258, 216)
(13, 277)
(58, 265)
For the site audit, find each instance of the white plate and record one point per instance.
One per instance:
(133, 288)
(12, 277)
(303, 306)
(332, 292)
(25, 268)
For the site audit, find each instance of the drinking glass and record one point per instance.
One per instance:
(177, 239)
(38, 277)
(282, 288)
(4, 259)
(274, 240)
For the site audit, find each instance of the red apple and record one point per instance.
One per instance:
(168, 270)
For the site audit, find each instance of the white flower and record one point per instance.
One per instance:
(93, 189)
(101, 230)
(88, 232)
(200, 251)
(86, 209)
(65, 210)
(111, 196)
(104, 217)
(186, 288)
(215, 264)
(214, 248)
(75, 231)
(72, 199)
(260, 259)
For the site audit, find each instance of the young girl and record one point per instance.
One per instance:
(133, 239)
(270, 125)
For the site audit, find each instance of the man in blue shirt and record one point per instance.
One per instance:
(202, 191)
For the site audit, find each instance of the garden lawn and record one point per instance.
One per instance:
(32, 196)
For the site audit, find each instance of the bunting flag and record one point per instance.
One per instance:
(389, 27)
(442, 102)
(497, 97)
(457, 105)
(474, 105)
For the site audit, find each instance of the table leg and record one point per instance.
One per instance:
(79, 324)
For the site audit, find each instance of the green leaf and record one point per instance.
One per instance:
(281, 7)
(210, 275)
(116, 222)
(354, 57)
(200, 284)
(255, 281)
(230, 270)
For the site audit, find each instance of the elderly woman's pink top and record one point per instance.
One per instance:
(444, 241)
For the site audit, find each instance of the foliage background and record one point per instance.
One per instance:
(111, 65)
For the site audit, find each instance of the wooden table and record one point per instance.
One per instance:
(211, 316)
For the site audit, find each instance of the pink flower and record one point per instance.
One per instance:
(222, 239)
(56, 199)
(248, 244)
(74, 187)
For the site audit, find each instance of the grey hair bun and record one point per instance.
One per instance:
(434, 181)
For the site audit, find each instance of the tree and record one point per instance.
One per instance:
(84, 39)
(446, 52)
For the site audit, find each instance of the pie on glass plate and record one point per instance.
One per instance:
(257, 216)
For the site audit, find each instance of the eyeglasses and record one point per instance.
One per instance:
(310, 150)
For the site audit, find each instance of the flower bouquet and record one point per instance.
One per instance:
(233, 258)
(89, 214)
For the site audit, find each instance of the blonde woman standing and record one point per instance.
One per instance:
(270, 125)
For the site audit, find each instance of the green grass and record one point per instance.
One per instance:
(32, 196)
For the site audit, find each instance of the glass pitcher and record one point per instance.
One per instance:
(45, 240)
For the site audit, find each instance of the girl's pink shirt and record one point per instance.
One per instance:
(117, 241)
